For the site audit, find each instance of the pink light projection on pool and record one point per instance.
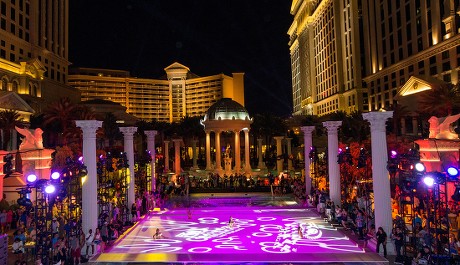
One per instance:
(258, 234)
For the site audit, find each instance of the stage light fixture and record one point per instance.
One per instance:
(420, 167)
(50, 189)
(55, 175)
(24, 201)
(31, 178)
(393, 154)
(429, 180)
(452, 172)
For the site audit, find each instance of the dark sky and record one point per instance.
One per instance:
(208, 36)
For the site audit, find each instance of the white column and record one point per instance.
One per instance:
(307, 144)
(237, 152)
(89, 186)
(333, 166)
(279, 151)
(247, 166)
(208, 150)
(261, 164)
(380, 175)
(194, 154)
(218, 153)
(166, 170)
(177, 168)
(151, 147)
(128, 136)
(289, 152)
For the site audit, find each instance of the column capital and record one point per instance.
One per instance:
(128, 130)
(332, 126)
(278, 138)
(177, 141)
(307, 129)
(246, 130)
(88, 125)
(378, 119)
(151, 134)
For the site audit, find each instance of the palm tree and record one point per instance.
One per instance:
(440, 101)
(8, 120)
(61, 114)
(111, 129)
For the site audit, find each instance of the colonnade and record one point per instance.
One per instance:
(381, 180)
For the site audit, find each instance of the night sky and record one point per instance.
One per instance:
(208, 36)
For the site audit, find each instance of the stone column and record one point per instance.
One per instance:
(151, 147)
(194, 155)
(247, 163)
(333, 166)
(89, 186)
(307, 144)
(237, 152)
(279, 151)
(166, 170)
(261, 164)
(403, 126)
(128, 136)
(208, 151)
(289, 152)
(415, 126)
(177, 168)
(380, 175)
(218, 152)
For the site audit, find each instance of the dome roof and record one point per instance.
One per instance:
(226, 109)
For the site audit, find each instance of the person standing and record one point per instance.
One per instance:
(89, 242)
(399, 242)
(381, 240)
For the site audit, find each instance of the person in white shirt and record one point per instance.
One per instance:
(89, 242)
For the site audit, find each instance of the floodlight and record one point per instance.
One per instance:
(31, 178)
(50, 189)
(393, 154)
(55, 175)
(419, 166)
(452, 172)
(428, 180)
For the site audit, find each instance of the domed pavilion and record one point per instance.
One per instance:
(227, 115)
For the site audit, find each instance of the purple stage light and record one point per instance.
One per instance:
(452, 172)
(393, 154)
(50, 189)
(31, 178)
(340, 150)
(419, 166)
(428, 180)
(55, 175)
(80, 159)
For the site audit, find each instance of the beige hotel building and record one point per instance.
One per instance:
(34, 55)
(178, 94)
(364, 55)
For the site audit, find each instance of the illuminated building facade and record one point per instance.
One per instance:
(361, 54)
(180, 93)
(34, 51)
(326, 57)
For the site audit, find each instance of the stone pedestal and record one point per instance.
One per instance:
(177, 167)
(228, 166)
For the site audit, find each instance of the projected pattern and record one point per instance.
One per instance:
(257, 234)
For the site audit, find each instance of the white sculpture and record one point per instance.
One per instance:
(32, 139)
(440, 128)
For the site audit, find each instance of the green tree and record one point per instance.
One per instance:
(8, 120)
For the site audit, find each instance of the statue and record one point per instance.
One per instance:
(440, 128)
(227, 151)
(32, 139)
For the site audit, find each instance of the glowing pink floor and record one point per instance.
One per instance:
(259, 235)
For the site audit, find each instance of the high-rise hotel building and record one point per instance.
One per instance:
(178, 94)
(34, 51)
(362, 54)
